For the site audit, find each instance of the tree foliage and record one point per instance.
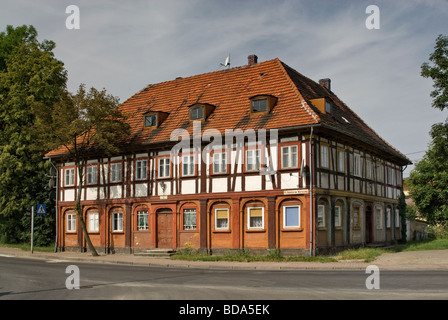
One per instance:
(438, 72)
(30, 76)
(428, 182)
(81, 125)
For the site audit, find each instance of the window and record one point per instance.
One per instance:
(115, 172)
(189, 219)
(327, 107)
(389, 176)
(220, 162)
(255, 219)
(321, 216)
(356, 217)
(379, 218)
(151, 120)
(71, 222)
(341, 161)
(117, 221)
(324, 156)
(357, 165)
(141, 169)
(164, 168)
(291, 216)
(388, 217)
(92, 175)
(94, 222)
(337, 216)
(69, 177)
(253, 160)
(197, 113)
(221, 219)
(369, 169)
(289, 157)
(379, 173)
(188, 165)
(260, 105)
(142, 220)
(397, 218)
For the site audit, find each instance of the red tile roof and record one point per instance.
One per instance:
(229, 91)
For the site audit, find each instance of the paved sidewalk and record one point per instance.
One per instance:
(415, 260)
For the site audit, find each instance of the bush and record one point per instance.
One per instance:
(438, 232)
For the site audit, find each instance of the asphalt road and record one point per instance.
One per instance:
(25, 279)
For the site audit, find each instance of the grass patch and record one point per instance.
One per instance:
(436, 244)
(247, 256)
(27, 247)
(365, 254)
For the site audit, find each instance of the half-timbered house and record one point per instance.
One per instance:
(257, 156)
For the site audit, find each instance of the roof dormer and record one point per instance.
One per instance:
(262, 104)
(153, 119)
(200, 111)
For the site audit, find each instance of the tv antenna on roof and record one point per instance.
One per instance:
(227, 62)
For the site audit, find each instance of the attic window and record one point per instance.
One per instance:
(262, 104)
(151, 120)
(327, 107)
(197, 113)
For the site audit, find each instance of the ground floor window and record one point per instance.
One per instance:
(291, 216)
(94, 222)
(337, 216)
(321, 216)
(221, 219)
(142, 220)
(117, 221)
(71, 222)
(189, 219)
(255, 218)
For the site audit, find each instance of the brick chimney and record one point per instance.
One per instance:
(252, 59)
(326, 83)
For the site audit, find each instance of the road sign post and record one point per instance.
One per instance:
(32, 227)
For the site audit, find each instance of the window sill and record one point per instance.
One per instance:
(255, 230)
(292, 229)
(222, 231)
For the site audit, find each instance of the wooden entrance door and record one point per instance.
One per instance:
(164, 228)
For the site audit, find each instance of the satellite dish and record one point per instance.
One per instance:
(227, 63)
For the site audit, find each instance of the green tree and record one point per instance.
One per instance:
(438, 72)
(428, 181)
(82, 124)
(30, 76)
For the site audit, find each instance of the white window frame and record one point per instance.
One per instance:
(92, 174)
(397, 218)
(164, 163)
(338, 216)
(220, 162)
(255, 105)
(254, 154)
(115, 172)
(290, 158)
(195, 114)
(216, 219)
(249, 218)
(153, 122)
(141, 169)
(69, 177)
(388, 217)
(341, 161)
(94, 221)
(190, 226)
(188, 165)
(145, 225)
(324, 163)
(71, 222)
(357, 165)
(117, 222)
(298, 217)
(321, 214)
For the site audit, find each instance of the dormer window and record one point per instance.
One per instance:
(151, 120)
(197, 113)
(154, 119)
(327, 107)
(200, 111)
(262, 104)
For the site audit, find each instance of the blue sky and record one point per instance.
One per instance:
(123, 46)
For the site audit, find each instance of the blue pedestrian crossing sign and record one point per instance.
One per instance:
(41, 209)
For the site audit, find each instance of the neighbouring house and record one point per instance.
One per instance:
(257, 156)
